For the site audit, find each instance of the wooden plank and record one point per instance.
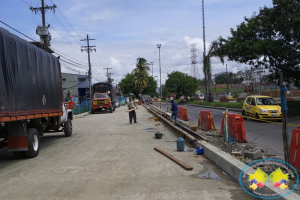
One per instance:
(132, 109)
(182, 164)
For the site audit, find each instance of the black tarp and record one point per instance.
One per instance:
(103, 88)
(30, 78)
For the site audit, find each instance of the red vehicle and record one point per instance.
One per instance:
(101, 101)
(104, 97)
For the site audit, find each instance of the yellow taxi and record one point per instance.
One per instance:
(230, 98)
(262, 107)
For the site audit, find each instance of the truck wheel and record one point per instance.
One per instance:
(19, 154)
(110, 109)
(68, 128)
(33, 143)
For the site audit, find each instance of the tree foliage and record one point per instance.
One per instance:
(140, 75)
(181, 84)
(269, 39)
(232, 78)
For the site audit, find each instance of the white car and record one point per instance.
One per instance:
(201, 97)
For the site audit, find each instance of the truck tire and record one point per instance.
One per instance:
(111, 109)
(68, 128)
(33, 143)
(19, 154)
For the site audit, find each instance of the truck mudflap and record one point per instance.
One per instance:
(17, 143)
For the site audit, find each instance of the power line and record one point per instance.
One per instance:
(68, 21)
(73, 64)
(66, 29)
(17, 31)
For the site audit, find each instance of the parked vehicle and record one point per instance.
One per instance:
(262, 107)
(201, 97)
(136, 100)
(117, 102)
(104, 97)
(31, 100)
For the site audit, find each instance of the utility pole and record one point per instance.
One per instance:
(109, 80)
(204, 52)
(108, 74)
(159, 46)
(284, 117)
(89, 49)
(227, 79)
(42, 31)
(152, 67)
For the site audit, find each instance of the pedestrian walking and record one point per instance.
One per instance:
(132, 114)
(174, 110)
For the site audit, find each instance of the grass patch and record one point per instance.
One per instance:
(238, 105)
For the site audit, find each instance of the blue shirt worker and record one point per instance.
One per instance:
(174, 110)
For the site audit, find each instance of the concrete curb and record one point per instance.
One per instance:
(213, 107)
(81, 115)
(226, 162)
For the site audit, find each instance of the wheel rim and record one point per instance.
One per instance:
(35, 142)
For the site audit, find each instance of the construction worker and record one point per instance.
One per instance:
(130, 106)
(174, 110)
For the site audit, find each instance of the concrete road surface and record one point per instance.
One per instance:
(108, 158)
(264, 135)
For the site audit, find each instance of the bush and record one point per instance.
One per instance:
(236, 95)
(192, 99)
(238, 105)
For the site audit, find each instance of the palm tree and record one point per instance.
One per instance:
(140, 75)
(212, 52)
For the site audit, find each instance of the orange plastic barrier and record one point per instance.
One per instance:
(236, 127)
(180, 112)
(139, 103)
(70, 104)
(206, 121)
(295, 149)
(185, 115)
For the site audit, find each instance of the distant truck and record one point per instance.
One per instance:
(31, 98)
(104, 97)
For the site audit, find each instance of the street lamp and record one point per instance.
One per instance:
(159, 46)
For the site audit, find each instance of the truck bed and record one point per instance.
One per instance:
(30, 80)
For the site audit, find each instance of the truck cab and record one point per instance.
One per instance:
(101, 101)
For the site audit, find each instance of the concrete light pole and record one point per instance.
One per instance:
(159, 46)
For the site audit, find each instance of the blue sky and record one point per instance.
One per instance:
(126, 30)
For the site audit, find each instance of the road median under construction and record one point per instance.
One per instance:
(225, 161)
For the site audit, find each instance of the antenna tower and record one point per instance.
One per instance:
(194, 68)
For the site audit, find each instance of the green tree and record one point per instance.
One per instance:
(151, 86)
(270, 39)
(207, 66)
(126, 84)
(140, 75)
(181, 84)
(229, 77)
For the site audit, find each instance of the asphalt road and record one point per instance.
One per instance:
(264, 135)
